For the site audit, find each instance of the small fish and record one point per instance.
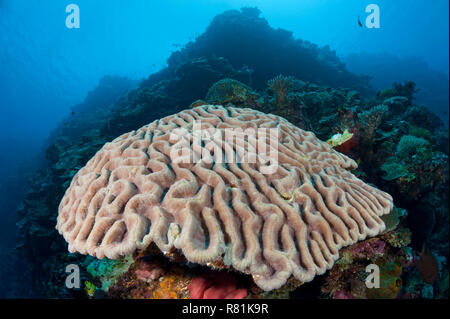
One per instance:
(73, 112)
(89, 287)
(359, 22)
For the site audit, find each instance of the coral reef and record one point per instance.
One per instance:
(282, 54)
(347, 280)
(414, 166)
(150, 278)
(96, 107)
(107, 271)
(432, 85)
(66, 167)
(417, 178)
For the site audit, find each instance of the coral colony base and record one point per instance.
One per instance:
(272, 224)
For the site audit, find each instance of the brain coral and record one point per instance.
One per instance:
(291, 222)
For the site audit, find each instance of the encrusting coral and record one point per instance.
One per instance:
(273, 225)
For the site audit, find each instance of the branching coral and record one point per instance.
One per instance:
(286, 105)
(280, 85)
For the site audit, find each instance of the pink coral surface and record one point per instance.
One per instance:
(272, 225)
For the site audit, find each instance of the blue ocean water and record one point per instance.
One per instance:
(46, 68)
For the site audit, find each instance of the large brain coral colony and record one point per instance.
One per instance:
(291, 222)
